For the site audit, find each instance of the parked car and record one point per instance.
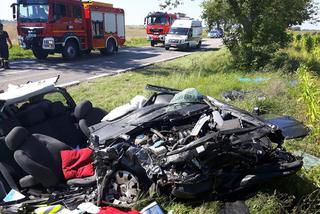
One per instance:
(184, 34)
(216, 33)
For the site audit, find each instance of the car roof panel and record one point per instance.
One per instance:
(18, 93)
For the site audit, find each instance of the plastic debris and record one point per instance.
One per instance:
(152, 208)
(240, 95)
(309, 161)
(59, 209)
(13, 195)
(233, 95)
(88, 208)
(257, 79)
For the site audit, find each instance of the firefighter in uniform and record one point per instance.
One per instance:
(4, 49)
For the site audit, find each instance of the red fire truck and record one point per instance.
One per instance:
(69, 27)
(158, 26)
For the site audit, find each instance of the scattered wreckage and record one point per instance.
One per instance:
(176, 142)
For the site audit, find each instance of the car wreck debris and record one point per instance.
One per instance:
(188, 147)
(175, 142)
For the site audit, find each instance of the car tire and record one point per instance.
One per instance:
(70, 51)
(110, 49)
(199, 45)
(153, 43)
(116, 187)
(188, 47)
(167, 48)
(39, 53)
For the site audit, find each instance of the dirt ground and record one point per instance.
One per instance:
(12, 30)
(131, 31)
(135, 31)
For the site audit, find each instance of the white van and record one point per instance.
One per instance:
(184, 34)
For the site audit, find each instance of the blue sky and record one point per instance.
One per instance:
(136, 10)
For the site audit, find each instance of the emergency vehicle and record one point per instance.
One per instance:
(184, 34)
(69, 27)
(158, 26)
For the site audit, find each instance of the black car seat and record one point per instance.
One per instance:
(38, 155)
(68, 132)
(10, 171)
(88, 116)
(54, 121)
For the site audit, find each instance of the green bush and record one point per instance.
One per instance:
(298, 37)
(282, 61)
(317, 39)
(309, 44)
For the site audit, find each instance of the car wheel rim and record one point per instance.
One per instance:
(122, 188)
(110, 48)
(71, 52)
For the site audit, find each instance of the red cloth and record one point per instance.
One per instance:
(112, 210)
(77, 163)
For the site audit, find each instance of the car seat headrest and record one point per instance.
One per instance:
(56, 109)
(32, 117)
(7, 125)
(82, 109)
(16, 138)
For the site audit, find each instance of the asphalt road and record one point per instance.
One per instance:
(92, 66)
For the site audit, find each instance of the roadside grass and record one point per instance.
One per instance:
(136, 42)
(212, 73)
(18, 53)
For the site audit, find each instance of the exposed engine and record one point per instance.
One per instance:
(189, 149)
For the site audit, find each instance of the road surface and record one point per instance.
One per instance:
(92, 66)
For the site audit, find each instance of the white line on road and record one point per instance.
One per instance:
(69, 84)
(22, 62)
(135, 68)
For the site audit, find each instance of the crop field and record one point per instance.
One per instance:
(12, 30)
(135, 31)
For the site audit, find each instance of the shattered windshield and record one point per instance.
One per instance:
(33, 13)
(157, 20)
(179, 31)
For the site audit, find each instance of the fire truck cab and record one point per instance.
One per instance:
(69, 27)
(158, 26)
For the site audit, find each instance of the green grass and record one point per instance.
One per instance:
(136, 42)
(18, 53)
(212, 73)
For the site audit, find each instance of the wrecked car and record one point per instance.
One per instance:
(40, 108)
(176, 142)
(188, 144)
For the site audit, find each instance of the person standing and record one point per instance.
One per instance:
(4, 49)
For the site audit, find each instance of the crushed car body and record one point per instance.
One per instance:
(175, 142)
(189, 144)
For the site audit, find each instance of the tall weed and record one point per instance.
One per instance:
(310, 96)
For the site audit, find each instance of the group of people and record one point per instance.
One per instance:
(4, 48)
